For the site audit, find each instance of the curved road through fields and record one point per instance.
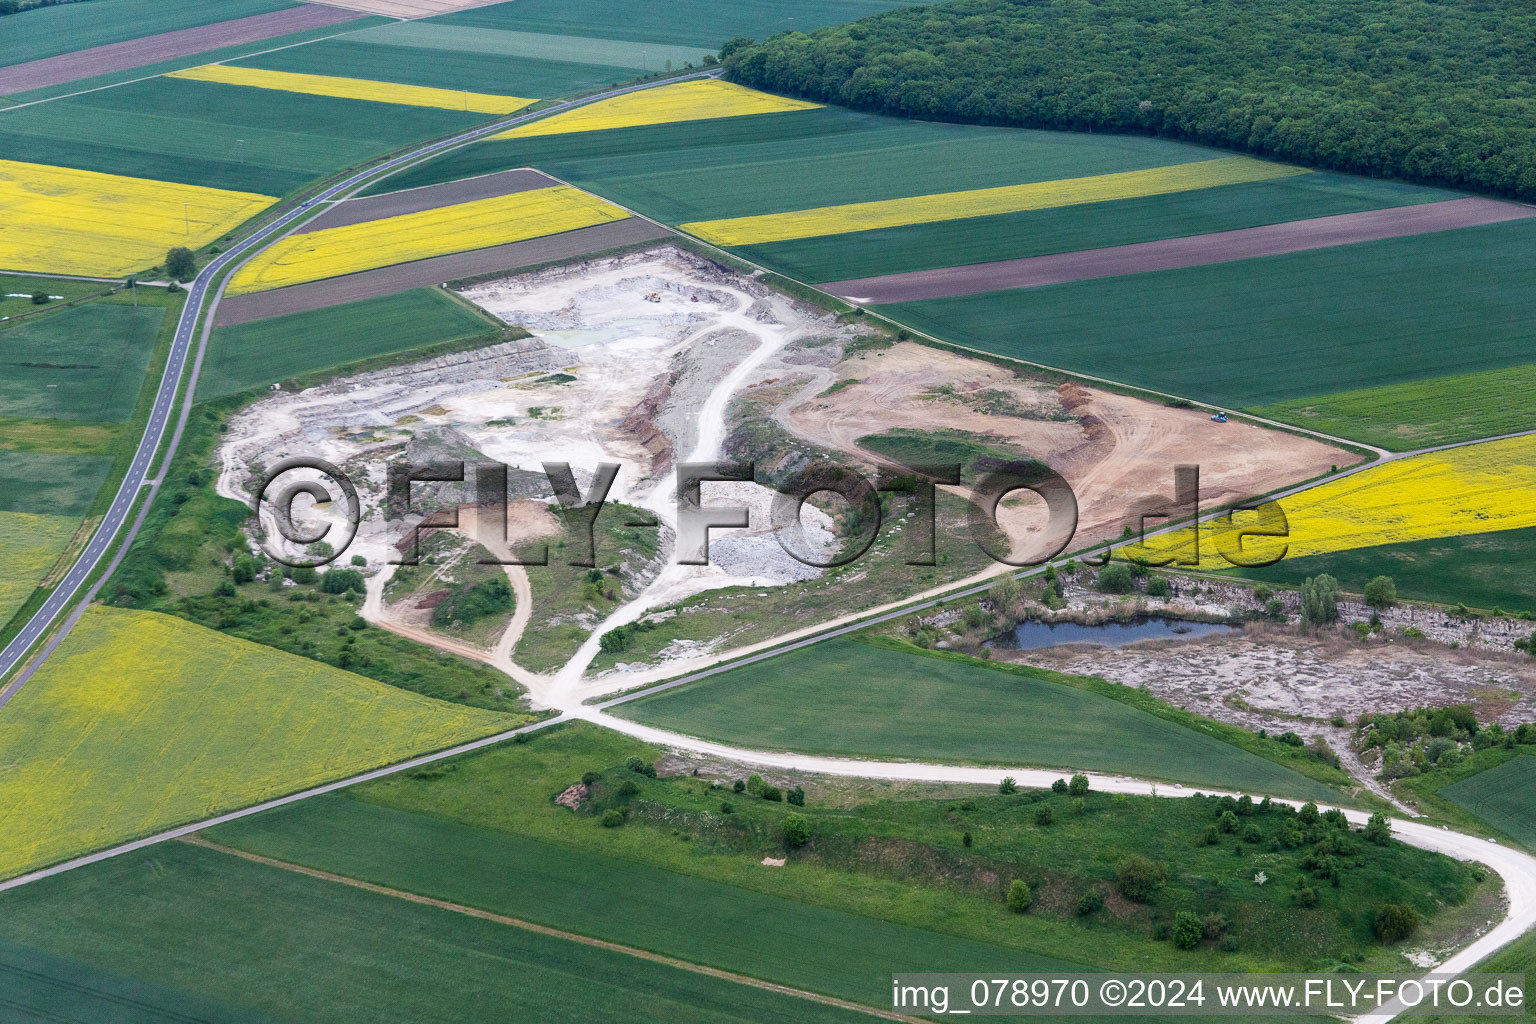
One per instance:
(198, 301)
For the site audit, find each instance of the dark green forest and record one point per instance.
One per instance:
(1436, 92)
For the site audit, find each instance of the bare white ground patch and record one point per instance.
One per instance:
(633, 360)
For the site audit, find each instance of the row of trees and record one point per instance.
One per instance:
(1414, 89)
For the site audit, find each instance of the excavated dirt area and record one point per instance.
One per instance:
(1117, 452)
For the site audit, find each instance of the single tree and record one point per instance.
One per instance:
(1019, 896)
(1381, 593)
(1319, 600)
(1007, 785)
(180, 263)
(1043, 814)
(1378, 829)
(1079, 785)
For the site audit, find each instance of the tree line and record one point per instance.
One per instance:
(1425, 91)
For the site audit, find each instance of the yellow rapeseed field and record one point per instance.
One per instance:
(331, 252)
(65, 221)
(983, 202)
(355, 89)
(143, 721)
(1478, 488)
(29, 545)
(685, 101)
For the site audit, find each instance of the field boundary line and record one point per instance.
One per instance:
(546, 930)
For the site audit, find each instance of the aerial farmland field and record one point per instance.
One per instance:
(989, 715)
(266, 351)
(589, 510)
(199, 722)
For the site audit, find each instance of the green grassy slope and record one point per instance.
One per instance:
(1259, 331)
(1504, 796)
(1086, 226)
(284, 347)
(50, 31)
(164, 916)
(845, 697)
(85, 363)
(1421, 413)
(1482, 570)
(172, 129)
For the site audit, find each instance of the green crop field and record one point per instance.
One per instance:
(1420, 413)
(1085, 226)
(50, 31)
(706, 23)
(267, 351)
(142, 721)
(530, 77)
(769, 163)
(172, 129)
(846, 697)
(85, 363)
(609, 897)
(43, 483)
(1504, 797)
(1481, 570)
(29, 546)
(434, 34)
(1259, 331)
(161, 919)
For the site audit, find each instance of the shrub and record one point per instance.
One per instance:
(1261, 593)
(726, 808)
(965, 839)
(40, 299)
(771, 793)
(1211, 836)
(1019, 896)
(796, 797)
(1228, 822)
(1395, 922)
(1059, 786)
(755, 784)
(1186, 930)
(1043, 814)
(612, 818)
(1137, 878)
(1213, 925)
(1253, 834)
(587, 778)
(627, 788)
(739, 786)
(640, 766)
(340, 581)
(1116, 578)
(1158, 586)
(1079, 785)
(359, 560)
(1008, 785)
(1308, 813)
(797, 829)
(1089, 903)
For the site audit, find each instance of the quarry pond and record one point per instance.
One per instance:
(1030, 636)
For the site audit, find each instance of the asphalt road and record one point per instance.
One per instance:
(64, 596)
